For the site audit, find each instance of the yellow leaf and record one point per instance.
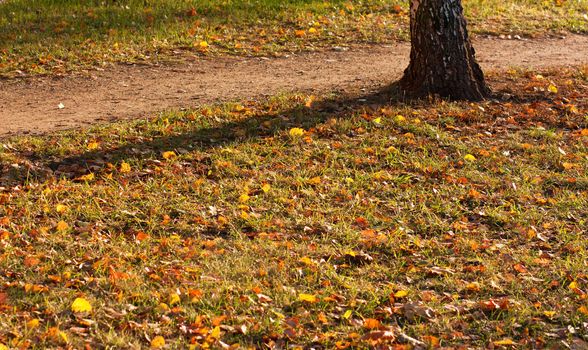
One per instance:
(62, 226)
(506, 341)
(93, 145)
(306, 261)
(312, 30)
(399, 118)
(377, 121)
(169, 155)
(296, 132)
(583, 309)
(314, 181)
(309, 298)
(266, 188)
(34, 323)
(215, 332)
(347, 314)
(174, 299)
(162, 308)
(469, 158)
(244, 198)
(81, 305)
(203, 44)
(158, 342)
(60, 208)
(568, 166)
(573, 285)
(552, 88)
(549, 314)
(125, 167)
(3, 347)
(63, 336)
(400, 294)
(473, 287)
(87, 177)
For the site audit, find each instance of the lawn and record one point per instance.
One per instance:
(57, 36)
(326, 221)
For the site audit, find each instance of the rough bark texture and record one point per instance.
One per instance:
(442, 59)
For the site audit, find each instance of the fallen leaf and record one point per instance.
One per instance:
(296, 132)
(174, 299)
(309, 298)
(244, 198)
(62, 226)
(31, 261)
(371, 323)
(266, 188)
(93, 146)
(169, 155)
(469, 158)
(125, 167)
(81, 305)
(33, 323)
(141, 236)
(552, 88)
(379, 336)
(504, 342)
(158, 342)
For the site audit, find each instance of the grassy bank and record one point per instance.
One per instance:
(51, 36)
(333, 221)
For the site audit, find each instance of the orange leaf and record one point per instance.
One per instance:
(62, 226)
(31, 261)
(371, 323)
(141, 236)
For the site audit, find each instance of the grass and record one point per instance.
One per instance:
(57, 36)
(330, 221)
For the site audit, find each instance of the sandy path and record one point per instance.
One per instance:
(124, 91)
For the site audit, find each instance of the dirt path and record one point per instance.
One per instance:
(31, 105)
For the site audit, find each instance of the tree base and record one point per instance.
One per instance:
(442, 59)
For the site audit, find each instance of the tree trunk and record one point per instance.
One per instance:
(442, 59)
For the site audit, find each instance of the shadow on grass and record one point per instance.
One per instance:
(198, 138)
(201, 139)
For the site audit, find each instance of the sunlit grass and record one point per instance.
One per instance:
(42, 36)
(451, 223)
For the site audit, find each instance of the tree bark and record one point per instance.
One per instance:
(442, 59)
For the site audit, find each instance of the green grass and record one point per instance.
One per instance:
(50, 36)
(389, 223)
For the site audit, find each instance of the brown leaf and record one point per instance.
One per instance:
(379, 336)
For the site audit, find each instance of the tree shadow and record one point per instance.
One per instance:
(200, 139)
